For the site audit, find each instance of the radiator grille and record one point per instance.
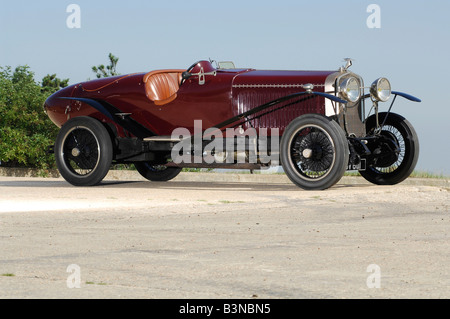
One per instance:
(279, 115)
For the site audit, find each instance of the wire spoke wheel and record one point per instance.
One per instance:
(397, 152)
(83, 151)
(393, 160)
(314, 152)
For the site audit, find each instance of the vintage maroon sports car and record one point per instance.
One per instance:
(314, 122)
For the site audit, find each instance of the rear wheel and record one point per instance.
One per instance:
(397, 153)
(314, 152)
(83, 151)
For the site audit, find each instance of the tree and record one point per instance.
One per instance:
(51, 84)
(25, 130)
(110, 70)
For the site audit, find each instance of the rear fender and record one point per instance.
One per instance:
(120, 118)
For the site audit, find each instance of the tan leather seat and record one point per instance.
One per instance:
(161, 86)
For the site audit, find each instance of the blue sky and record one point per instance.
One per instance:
(411, 48)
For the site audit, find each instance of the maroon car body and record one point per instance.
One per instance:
(140, 112)
(227, 94)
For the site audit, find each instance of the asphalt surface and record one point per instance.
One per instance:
(218, 236)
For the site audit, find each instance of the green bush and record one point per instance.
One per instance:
(25, 130)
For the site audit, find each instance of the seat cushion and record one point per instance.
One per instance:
(162, 86)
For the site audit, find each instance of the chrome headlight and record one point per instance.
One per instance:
(349, 89)
(381, 90)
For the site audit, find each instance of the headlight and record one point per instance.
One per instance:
(381, 90)
(349, 89)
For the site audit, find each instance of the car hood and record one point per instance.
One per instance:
(280, 79)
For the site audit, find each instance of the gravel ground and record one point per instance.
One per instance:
(210, 236)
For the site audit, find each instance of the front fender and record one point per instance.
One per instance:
(406, 96)
(395, 93)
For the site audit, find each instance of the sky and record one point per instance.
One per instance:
(410, 46)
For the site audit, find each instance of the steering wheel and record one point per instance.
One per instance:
(186, 74)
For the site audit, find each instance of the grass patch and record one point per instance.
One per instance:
(197, 170)
(230, 202)
(123, 167)
(93, 283)
(352, 173)
(414, 174)
(8, 275)
(425, 174)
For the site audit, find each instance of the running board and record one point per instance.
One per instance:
(162, 139)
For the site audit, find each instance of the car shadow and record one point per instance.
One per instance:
(173, 185)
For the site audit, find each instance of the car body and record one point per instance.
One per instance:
(314, 122)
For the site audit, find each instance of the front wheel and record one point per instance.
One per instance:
(314, 152)
(83, 151)
(397, 152)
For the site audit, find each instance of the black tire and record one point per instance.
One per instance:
(314, 152)
(83, 151)
(157, 173)
(397, 170)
